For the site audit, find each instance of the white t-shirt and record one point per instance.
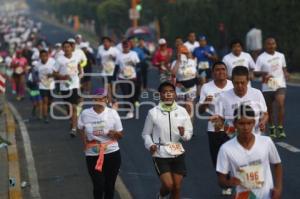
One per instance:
(100, 125)
(244, 59)
(233, 156)
(80, 55)
(229, 101)
(191, 47)
(187, 69)
(254, 39)
(45, 83)
(273, 65)
(127, 63)
(68, 66)
(210, 88)
(108, 58)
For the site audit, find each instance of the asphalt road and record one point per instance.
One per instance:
(61, 167)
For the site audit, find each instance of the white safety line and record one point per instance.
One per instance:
(31, 170)
(288, 147)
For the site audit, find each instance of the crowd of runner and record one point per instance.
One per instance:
(193, 79)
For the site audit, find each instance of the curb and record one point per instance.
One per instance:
(14, 174)
(3, 162)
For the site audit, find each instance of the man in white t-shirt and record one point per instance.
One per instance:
(107, 55)
(191, 42)
(254, 41)
(209, 94)
(233, 98)
(247, 158)
(127, 61)
(69, 72)
(272, 65)
(77, 52)
(238, 58)
(45, 68)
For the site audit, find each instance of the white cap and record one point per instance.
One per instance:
(162, 41)
(84, 45)
(58, 45)
(71, 40)
(78, 36)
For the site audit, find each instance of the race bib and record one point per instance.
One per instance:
(252, 177)
(174, 148)
(46, 82)
(19, 70)
(273, 83)
(128, 72)
(109, 68)
(203, 65)
(188, 72)
(72, 69)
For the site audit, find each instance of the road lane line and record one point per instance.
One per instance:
(288, 147)
(14, 174)
(31, 170)
(120, 185)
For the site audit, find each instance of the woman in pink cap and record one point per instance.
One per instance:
(101, 128)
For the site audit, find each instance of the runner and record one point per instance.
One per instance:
(88, 69)
(127, 61)
(101, 128)
(162, 60)
(254, 41)
(77, 52)
(191, 42)
(19, 66)
(210, 93)
(205, 55)
(184, 68)
(165, 125)
(69, 72)
(45, 68)
(107, 55)
(240, 94)
(272, 64)
(247, 158)
(238, 58)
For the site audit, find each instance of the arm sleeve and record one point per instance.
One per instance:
(222, 162)
(283, 61)
(118, 124)
(259, 64)
(273, 153)
(80, 124)
(202, 94)
(147, 132)
(188, 127)
(252, 64)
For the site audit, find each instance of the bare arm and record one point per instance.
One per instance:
(277, 190)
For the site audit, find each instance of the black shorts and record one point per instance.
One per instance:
(172, 165)
(270, 95)
(207, 73)
(46, 93)
(73, 98)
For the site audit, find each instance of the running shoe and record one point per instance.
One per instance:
(280, 132)
(227, 192)
(272, 131)
(73, 133)
(129, 115)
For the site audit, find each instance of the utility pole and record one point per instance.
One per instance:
(133, 8)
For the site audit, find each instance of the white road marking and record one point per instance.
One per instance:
(31, 170)
(288, 147)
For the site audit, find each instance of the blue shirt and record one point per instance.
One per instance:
(140, 52)
(199, 53)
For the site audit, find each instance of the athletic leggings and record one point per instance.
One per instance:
(104, 182)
